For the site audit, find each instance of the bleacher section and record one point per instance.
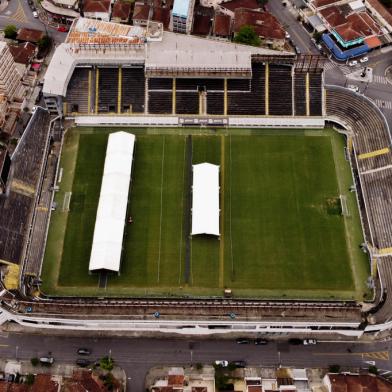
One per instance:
(160, 102)
(384, 266)
(77, 93)
(194, 84)
(280, 91)
(26, 166)
(108, 90)
(300, 94)
(187, 102)
(315, 94)
(238, 85)
(133, 89)
(370, 134)
(252, 102)
(160, 84)
(215, 103)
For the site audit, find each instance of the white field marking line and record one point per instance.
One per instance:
(160, 219)
(231, 233)
(191, 241)
(182, 208)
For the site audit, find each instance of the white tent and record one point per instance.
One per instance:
(113, 200)
(205, 199)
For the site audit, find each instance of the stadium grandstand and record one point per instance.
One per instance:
(17, 203)
(105, 69)
(184, 80)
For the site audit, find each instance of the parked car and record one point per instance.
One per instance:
(364, 59)
(35, 14)
(62, 29)
(47, 360)
(353, 63)
(352, 87)
(222, 363)
(260, 341)
(295, 341)
(297, 50)
(82, 362)
(84, 351)
(287, 35)
(238, 364)
(308, 342)
(243, 341)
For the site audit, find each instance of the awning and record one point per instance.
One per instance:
(205, 199)
(113, 201)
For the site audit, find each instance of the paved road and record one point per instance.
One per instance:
(136, 356)
(298, 34)
(19, 14)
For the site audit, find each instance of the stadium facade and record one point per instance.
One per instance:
(167, 79)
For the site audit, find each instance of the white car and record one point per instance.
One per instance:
(222, 363)
(35, 14)
(352, 63)
(364, 60)
(353, 87)
(308, 342)
(33, 109)
(287, 35)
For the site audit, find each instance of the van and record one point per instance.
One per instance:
(47, 360)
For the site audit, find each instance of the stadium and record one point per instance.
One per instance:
(293, 173)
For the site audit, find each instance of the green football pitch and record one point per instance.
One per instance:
(282, 231)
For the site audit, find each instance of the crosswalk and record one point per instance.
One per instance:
(345, 69)
(383, 104)
(18, 16)
(380, 79)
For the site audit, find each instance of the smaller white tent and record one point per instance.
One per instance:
(205, 199)
(113, 200)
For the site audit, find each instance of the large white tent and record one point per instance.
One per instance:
(113, 200)
(205, 199)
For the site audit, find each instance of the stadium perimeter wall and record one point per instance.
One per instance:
(174, 121)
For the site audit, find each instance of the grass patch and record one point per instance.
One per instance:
(283, 234)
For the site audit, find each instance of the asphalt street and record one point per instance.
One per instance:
(19, 13)
(136, 356)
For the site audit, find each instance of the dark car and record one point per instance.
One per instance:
(82, 362)
(243, 341)
(295, 341)
(238, 364)
(260, 341)
(84, 351)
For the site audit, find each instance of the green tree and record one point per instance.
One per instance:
(106, 363)
(248, 36)
(30, 379)
(334, 368)
(373, 369)
(10, 31)
(387, 3)
(44, 43)
(34, 361)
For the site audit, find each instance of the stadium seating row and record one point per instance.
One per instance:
(244, 96)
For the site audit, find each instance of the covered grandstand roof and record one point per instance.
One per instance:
(175, 52)
(205, 199)
(113, 201)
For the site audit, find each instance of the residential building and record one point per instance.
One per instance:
(162, 15)
(97, 9)
(378, 10)
(356, 382)
(141, 13)
(222, 25)
(121, 11)
(23, 53)
(10, 78)
(61, 11)
(182, 16)
(265, 25)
